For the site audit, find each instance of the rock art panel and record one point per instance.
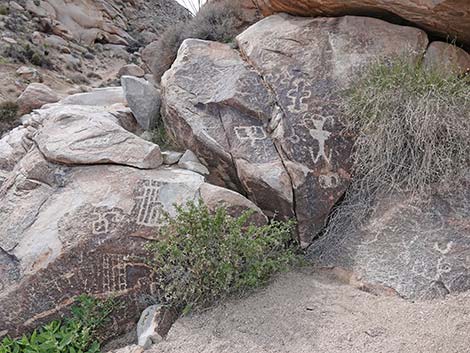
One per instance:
(215, 105)
(306, 63)
(418, 248)
(72, 229)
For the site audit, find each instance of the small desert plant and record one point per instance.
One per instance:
(8, 111)
(4, 10)
(413, 130)
(74, 335)
(216, 21)
(202, 257)
(413, 126)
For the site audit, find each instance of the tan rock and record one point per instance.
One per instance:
(443, 56)
(89, 135)
(131, 70)
(35, 96)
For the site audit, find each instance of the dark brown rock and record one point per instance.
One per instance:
(447, 18)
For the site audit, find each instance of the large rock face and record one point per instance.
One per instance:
(69, 228)
(266, 122)
(418, 248)
(447, 18)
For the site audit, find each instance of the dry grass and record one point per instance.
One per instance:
(216, 21)
(413, 127)
(413, 130)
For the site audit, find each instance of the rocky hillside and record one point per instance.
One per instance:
(75, 45)
(260, 122)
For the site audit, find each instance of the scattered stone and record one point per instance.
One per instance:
(9, 40)
(143, 99)
(35, 96)
(28, 73)
(131, 70)
(15, 6)
(171, 157)
(190, 161)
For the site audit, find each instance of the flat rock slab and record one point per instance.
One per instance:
(420, 250)
(87, 135)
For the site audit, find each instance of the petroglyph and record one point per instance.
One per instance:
(149, 208)
(253, 134)
(329, 181)
(105, 220)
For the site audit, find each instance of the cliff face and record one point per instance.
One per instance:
(446, 18)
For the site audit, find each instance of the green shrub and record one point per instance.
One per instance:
(413, 126)
(202, 257)
(217, 21)
(8, 111)
(4, 10)
(74, 335)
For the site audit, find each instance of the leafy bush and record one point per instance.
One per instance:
(413, 126)
(8, 111)
(4, 10)
(74, 335)
(202, 257)
(25, 52)
(217, 21)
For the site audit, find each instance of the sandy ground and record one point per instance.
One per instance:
(304, 312)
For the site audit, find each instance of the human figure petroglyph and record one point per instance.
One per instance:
(149, 208)
(314, 124)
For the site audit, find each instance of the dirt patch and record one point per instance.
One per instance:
(305, 312)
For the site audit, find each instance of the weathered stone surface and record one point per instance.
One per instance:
(419, 249)
(98, 97)
(447, 18)
(34, 97)
(131, 70)
(190, 161)
(154, 325)
(171, 157)
(89, 135)
(216, 106)
(307, 63)
(447, 57)
(65, 231)
(267, 122)
(143, 99)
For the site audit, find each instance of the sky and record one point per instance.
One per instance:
(191, 5)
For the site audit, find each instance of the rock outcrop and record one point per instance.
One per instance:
(77, 209)
(418, 249)
(447, 18)
(265, 121)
